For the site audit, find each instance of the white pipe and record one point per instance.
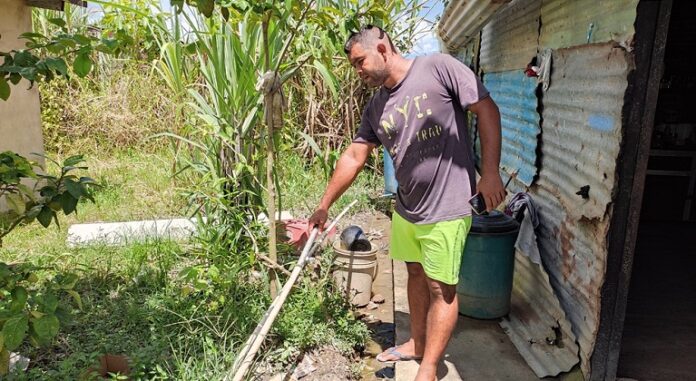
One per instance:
(248, 352)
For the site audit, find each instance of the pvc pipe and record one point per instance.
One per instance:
(248, 352)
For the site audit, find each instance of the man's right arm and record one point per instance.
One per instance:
(349, 165)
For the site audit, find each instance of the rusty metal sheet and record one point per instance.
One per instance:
(510, 39)
(570, 23)
(515, 95)
(537, 323)
(580, 144)
(574, 254)
(582, 126)
(462, 20)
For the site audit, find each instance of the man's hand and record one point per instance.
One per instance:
(318, 219)
(491, 188)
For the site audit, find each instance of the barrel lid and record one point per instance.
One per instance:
(494, 222)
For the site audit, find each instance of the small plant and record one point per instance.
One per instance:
(30, 309)
(56, 194)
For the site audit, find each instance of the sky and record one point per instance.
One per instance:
(427, 42)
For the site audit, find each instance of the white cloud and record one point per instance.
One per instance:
(426, 39)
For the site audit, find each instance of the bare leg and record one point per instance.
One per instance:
(418, 302)
(442, 318)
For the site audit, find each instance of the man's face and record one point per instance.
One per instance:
(369, 64)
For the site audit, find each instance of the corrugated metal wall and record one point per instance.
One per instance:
(580, 136)
(515, 94)
(510, 39)
(578, 22)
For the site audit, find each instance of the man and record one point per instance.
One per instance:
(419, 115)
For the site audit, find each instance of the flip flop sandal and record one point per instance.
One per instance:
(399, 356)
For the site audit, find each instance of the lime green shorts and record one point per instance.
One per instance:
(437, 247)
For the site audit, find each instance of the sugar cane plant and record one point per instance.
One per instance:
(250, 55)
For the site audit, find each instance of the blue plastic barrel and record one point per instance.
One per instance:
(485, 276)
(390, 183)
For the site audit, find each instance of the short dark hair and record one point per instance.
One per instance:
(365, 35)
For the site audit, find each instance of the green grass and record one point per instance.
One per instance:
(141, 299)
(303, 185)
(135, 186)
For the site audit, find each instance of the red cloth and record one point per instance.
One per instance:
(296, 232)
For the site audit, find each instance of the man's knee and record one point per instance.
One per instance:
(415, 269)
(439, 290)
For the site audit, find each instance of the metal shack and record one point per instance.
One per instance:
(577, 83)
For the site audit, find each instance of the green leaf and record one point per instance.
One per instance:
(206, 7)
(4, 88)
(312, 143)
(329, 79)
(82, 40)
(76, 297)
(58, 65)
(48, 302)
(19, 299)
(68, 203)
(24, 58)
(14, 331)
(34, 212)
(37, 314)
(45, 216)
(46, 327)
(73, 160)
(57, 21)
(16, 203)
(48, 191)
(15, 78)
(29, 73)
(74, 188)
(67, 281)
(82, 65)
(31, 36)
(63, 315)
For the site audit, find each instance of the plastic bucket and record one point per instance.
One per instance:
(354, 272)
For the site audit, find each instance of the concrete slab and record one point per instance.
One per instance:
(121, 233)
(478, 350)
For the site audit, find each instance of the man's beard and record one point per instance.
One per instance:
(377, 77)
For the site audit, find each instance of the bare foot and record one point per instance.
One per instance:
(403, 352)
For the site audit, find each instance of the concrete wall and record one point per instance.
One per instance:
(20, 115)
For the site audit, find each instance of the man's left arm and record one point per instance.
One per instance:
(491, 185)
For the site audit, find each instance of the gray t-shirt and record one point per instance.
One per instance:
(423, 124)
